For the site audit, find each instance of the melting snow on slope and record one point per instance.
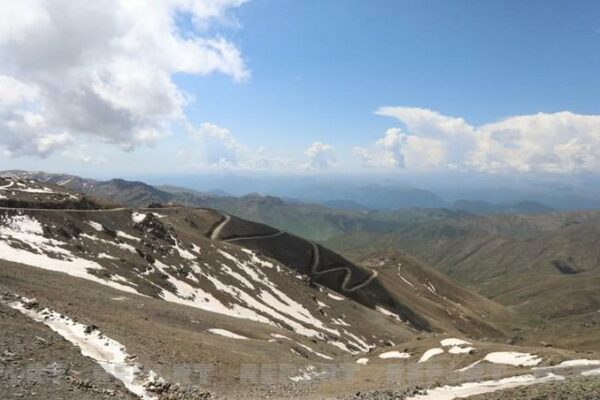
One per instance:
(592, 372)
(457, 346)
(25, 189)
(137, 217)
(98, 227)
(430, 353)
(108, 353)
(270, 301)
(431, 288)
(454, 342)
(574, 363)
(183, 253)
(305, 347)
(407, 282)
(394, 354)
(474, 388)
(226, 333)
(468, 367)
(22, 241)
(513, 358)
(124, 235)
(123, 246)
(29, 231)
(334, 297)
(310, 349)
(362, 361)
(321, 304)
(306, 374)
(388, 313)
(339, 321)
(461, 350)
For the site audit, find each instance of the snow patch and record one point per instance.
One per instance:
(334, 297)
(453, 342)
(407, 282)
(430, 353)
(138, 217)
(461, 350)
(388, 313)
(394, 354)
(577, 363)
(513, 358)
(124, 235)
(339, 321)
(306, 374)
(592, 372)
(226, 333)
(98, 227)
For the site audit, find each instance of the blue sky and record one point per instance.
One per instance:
(308, 77)
(319, 69)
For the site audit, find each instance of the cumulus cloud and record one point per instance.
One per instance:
(320, 156)
(389, 151)
(218, 148)
(103, 69)
(562, 142)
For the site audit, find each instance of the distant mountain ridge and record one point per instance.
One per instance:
(485, 207)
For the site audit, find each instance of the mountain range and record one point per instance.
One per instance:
(145, 279)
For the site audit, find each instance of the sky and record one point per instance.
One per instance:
(396, 87)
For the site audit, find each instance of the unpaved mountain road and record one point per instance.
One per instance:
(316, 258)
(217, 231)
(347, 278)
(273, 235)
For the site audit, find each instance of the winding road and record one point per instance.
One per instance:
(272, 235)
(347, 278)
(316, 258)
(216, 232)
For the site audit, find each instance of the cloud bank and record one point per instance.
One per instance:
(103, 69)
(562, 142)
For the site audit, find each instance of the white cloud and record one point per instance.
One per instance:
(388, 153)
(320, 156)
(557, 143)
(14, 92)
(103, 69)
(218, 148)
